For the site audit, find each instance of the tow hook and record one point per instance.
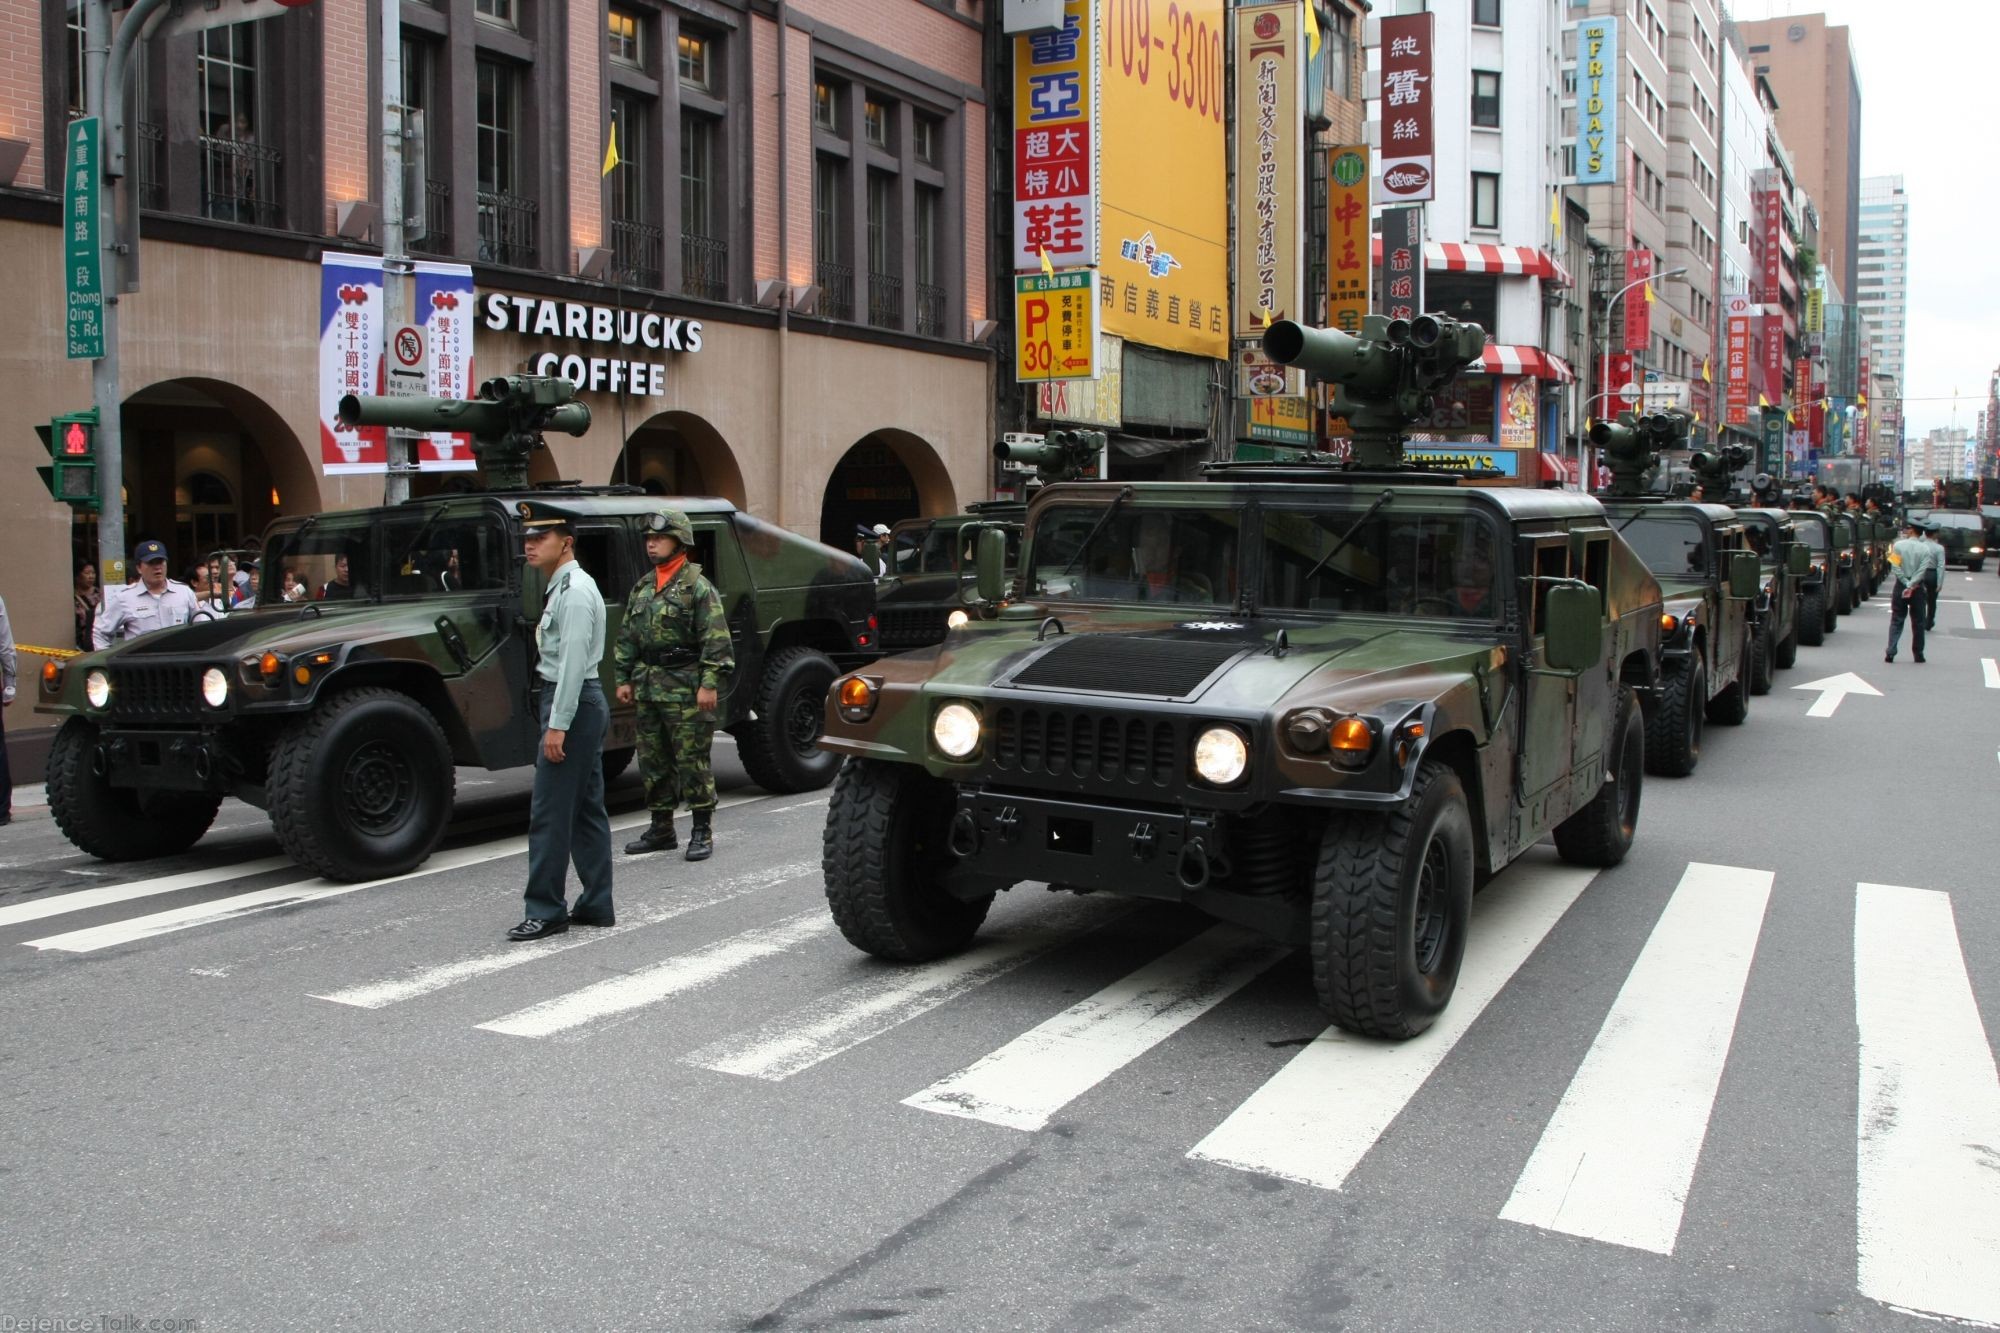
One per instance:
(964, 839)
(1192, 869)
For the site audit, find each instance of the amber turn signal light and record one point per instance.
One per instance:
(1668, 624)
(1352, 735)
(855, 693)
(268, 664)
(50, 671)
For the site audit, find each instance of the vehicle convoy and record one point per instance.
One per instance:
(1320, 701)
(1817, 618)
(1709, 581)
(344, 716)
(1784, 564)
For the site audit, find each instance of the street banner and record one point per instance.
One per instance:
(1270, 168)
(1055, 318)
(1774, 356)
(1402, 278)
(1408, 154)
(444, 303)
(1620, 371)
(1350, 257)
(1597, 99)
(1771, 215)
(83, 243)
(1638, 310)
(350, 359)
(1815, 311)
(1737, 359)
(1055, 142)
(1163, 249)
(1773, 459)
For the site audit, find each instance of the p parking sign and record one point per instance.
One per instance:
(1055, 326)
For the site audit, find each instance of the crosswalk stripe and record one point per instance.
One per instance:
(827, 1026)
(425, 981)
(1992, 670)
(1927, 1224)
(1028, 1080)
(649, 985)
(1978, 615)
(1316, 1118)
(83, 900)
(1618, 1156)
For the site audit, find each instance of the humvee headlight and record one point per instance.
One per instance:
(957, 619)
(97, 689)
(214, 687)
(1975, 550)
(956, 730)
(1220, 756)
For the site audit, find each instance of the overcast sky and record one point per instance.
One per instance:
(1930, 113)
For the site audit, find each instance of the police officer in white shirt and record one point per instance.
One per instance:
(154, 602)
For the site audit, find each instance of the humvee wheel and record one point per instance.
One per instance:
(615, 762)
(119, 823)
(1974, 566)
(362, 789)
(1843, 600)
(1762, 653)
(780, 747)
(1673, 732)
(1392, 896)
(1812, 617)
(1732, 706)
(1786, 654)
(884, 858)
(1601, 833)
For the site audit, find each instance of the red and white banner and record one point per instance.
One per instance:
(1409, 162)
(444, 304)
(1638, 310)
(1055, 142)
(1774, 357)
(1736, 360)
(350, 360)
(1771, 222)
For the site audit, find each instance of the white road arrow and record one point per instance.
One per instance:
(1833, 689)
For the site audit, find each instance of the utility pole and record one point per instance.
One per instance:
(401, 444)
(104, 394)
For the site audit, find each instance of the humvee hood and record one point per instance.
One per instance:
(307, 625)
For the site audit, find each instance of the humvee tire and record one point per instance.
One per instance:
(884, 857)
(362, 787)
(1812, 617)
(1673, 732)
(1732, 706)
(1974, 566)
(119, 823)
(777, 745)
(615, 762)
(1786, 654)
(1392, 896)
(1601, 833)
(1762, 666)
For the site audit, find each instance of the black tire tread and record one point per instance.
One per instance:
(178, 822)
(1594, 836)
(1731, 707)
(287, 788)
(1763, 667)
(1667, 751)
(1812, 617)
(755, 745)
(1786, 654)
(856, 866)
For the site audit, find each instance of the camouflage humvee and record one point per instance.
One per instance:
(1850, 587)
(1817, 616)
(1317, 702)
(1785, 563)
(344, 716)
(934, 573)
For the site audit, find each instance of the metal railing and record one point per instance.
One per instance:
(836, 290)
(705, 267)
(436, 239)
(885, 301)
(930, 310)
(507, 229)
(636, 251)
(150, 169)
(239, 181)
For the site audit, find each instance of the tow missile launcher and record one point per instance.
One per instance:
(1385, 379)
(1717, 470)
(506, 421)
(1631, 446)
(1063, 455)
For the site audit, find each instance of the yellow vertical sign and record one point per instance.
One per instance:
(1055, 322)
(1270, 167)
(1350, 256)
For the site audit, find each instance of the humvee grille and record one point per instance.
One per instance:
(1094, 747)
(911, 627)
(1128, 664)
(155, 691)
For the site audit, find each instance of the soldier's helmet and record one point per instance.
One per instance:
(672, 523)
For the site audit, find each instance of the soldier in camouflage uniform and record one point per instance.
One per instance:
(673, 657)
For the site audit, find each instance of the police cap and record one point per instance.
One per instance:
(670, 523)
(537, 516)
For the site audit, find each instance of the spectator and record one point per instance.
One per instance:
(341, 587)
(154, 602)
(289, 587)
(244, 596)
(89, 601)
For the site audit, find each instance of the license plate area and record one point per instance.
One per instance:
(1129, 850)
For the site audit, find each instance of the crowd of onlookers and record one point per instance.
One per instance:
(216, 587)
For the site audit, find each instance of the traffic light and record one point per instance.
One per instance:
(72, 472)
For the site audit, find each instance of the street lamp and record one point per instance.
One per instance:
(1590, 371)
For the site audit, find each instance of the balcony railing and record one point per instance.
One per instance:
(239, 181)
(836, 290)
(636, 249)
(150, 169)
(436, 239)
(705, 267)
(885, 301)
(930, 310)
(507, 227)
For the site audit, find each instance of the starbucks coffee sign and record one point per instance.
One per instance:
(633, 331)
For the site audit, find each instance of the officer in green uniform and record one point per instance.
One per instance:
(566, 816)
(673, 657)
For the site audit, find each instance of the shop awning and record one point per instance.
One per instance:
(1452, 257)
(1503, 359)
(1555, 470)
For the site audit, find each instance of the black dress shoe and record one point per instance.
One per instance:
(1920, 657)
(1888, 657)
(536, 929)
(593, 918)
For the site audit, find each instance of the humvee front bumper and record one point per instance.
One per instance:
(161, 759)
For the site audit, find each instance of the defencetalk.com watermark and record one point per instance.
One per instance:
(96, 1323)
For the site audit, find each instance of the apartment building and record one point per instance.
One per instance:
(1810, 65)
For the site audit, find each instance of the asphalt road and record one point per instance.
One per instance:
(1744, 1080)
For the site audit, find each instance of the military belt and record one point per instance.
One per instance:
(668, 657)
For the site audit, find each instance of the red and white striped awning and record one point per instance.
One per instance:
(1557, 471)
(1451, 257)
(1503, 359)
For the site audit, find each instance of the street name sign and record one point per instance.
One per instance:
(83, 243)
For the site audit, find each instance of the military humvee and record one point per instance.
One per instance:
(1318, 702)
(1817, 617)
(1962, 533)
(343, 716)
(1785, 563)
(934, 571)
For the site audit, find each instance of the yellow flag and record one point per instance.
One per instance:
(1649, 293)
(1048, 269)
(1706, 377)
(1697, 418)
(611, 158)
(1762, 401)
(1792, 416)
(1266, 312)
(1555, 213)
(1312, 31)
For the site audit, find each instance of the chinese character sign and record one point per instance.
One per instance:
(1270, 167)
(1597, 98)
(444, 303)
(1638, 310)
(350, 360)
(1815, 311)
(1771, 222)
(1774, 357)
(1349, 254)
(1408, 157)
(1055, 320)
(1736, 352)
(1402, 280)
(1055, 142)
(83, 245)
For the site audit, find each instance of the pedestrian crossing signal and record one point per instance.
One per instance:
(72, 445)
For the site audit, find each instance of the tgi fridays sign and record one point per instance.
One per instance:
(1737, 351)
(641, 331)
(1408, 160)
(1055, 142)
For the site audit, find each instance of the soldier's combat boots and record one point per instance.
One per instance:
(700, 842)
(658, 837)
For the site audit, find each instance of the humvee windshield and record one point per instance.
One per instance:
(1668, 544)
(366, 555)
(1942, 518)
(1393, 564)
(1812, 534)
(1127, 553)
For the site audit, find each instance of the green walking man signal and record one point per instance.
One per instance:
(71, 475)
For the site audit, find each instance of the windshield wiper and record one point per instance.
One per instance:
(1348, 535)
(1124, 494)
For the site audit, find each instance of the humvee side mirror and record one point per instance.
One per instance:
(1745, 578)
(1573, 628)
(1798, 559)
(990, 560)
